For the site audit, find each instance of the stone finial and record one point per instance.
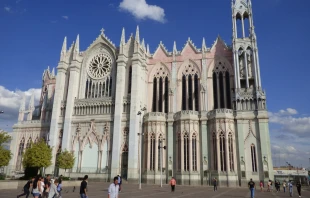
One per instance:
(77, 44)
(143, 44)
(31, 102)
(137, 35)
(174, 48)
(102, 31)
(204, 47)
(64, 47)
(23, 104)
(123, 37)
(148, 49)
(53, 71)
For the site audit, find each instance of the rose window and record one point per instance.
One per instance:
(99, 66)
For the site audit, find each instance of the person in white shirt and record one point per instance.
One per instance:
(113, 189)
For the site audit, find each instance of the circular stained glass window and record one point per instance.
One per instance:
(99, 66)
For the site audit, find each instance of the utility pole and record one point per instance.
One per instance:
(160, 147)
(140, 145)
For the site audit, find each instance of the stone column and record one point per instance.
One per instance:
(218, 153)
(258, 68)
(182, 152)
(227, 154)
(80, 161)
(243, 33)
(116, 134)
(238, 69)
(235, 154)
(198, 153)
(255, 68)
(156, 153)
(190, 148)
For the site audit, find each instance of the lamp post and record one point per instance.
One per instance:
(160, 147)
(140, 138)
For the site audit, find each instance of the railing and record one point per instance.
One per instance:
(94, 106)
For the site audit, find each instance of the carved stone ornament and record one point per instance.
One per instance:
(99, 66)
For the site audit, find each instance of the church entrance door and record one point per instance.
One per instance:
(124, 167)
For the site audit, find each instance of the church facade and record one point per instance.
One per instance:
(194, 113)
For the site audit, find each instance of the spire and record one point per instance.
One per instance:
(123, 37)
(148, 49)
(64, 47)
(23, 104)
(77, 44)
(53, 71)
(204, 47)
(31, 102)
(174, 48)
(137, 35)
(142, 44)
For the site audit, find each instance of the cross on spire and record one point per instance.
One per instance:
(102, 31)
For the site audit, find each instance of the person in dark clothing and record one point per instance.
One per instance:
(83, 187)
(47, 184)
(298, 185)
(214, 184)
(27, 188)
(251, 185)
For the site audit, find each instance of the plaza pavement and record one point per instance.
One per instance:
(99, 189)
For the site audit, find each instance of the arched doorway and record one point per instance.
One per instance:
(124, 166)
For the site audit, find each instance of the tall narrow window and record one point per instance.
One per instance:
(186, 152)
(196, 93)
(228, 90)
(160, 99)
(160, 139)
(28, 145)
(253, 157)
(190, 93)
(86, 90)
(129, 79)
(179, 152)
(214, 151)
(222, 101)
(194, 152)
(222, 152)
(152, 152)
(215, 90)
(166, 95)
(110, 87)
(184, 92)
(231, 152)
(21, 147)
(154, 94)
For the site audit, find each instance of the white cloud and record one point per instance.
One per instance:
(7, 8)
(10, 102)
(65, 17)
(141, 10)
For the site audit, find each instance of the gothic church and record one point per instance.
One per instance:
(116, 107)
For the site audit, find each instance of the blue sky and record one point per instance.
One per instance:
(32, 32)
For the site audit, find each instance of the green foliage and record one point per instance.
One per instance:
(4, 138)
(66, 178)
(5, 155)
(2, 176)
(38, 155)
(65, 160)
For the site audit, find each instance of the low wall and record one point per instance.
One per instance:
(11, 184)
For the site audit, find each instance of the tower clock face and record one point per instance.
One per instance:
(99, 66)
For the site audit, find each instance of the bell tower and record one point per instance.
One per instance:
(247, 70)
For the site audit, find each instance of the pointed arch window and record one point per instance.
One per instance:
(186, 151)
(221, 87)
(253, 158)
(214, 144)
(215, 99)
(196, 85)
(129, 79)
(21, 147)
(222, 152)
(184, 97)
(194, 151)
(231, 152)
(179, 151)
(160, 94)
(28, 145)
(152, 152)
(98, 88)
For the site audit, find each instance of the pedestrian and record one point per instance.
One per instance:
(47, 184)
(277, 185)
(214, 184)
(261, 185)
(269, 185)
(59, 187)
(284, 185)
(119, 181)
(298, 185)
(27, 188)
(53, 189)
(83, 187)
(251, 185)
(36, 187)
(290, 188)
(173, 182)
(113, 189)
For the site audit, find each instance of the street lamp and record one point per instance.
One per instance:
(140, 138)
(161, 161)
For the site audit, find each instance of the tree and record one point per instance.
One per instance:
(38, 155)
(5, 155)
(65, 160)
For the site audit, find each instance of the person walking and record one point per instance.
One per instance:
(284, 185)
(269, 185)
(251, 185)
(214, 184)
(83, 187)
(46, 183)
(290, 188)
(53, 189)
(36, 187)
(113, 189)
(173, 182)
(298, 185)
(119, 180)
(27, 188)
(261, 185)
(277, 185)
(59, 188)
